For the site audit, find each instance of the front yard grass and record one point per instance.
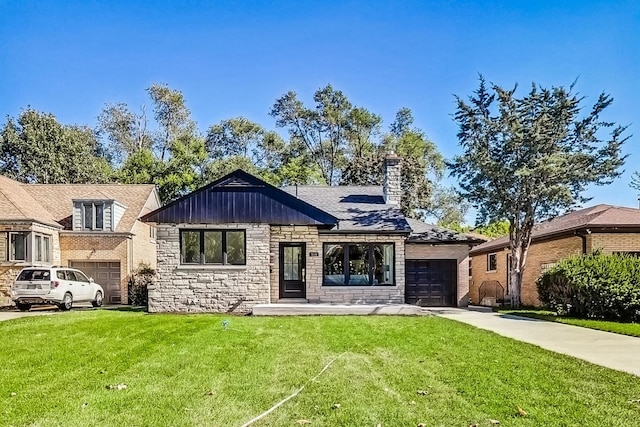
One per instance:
(189, 370)
(632, 329)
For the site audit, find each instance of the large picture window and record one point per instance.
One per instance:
(358, 264)
(212, 247)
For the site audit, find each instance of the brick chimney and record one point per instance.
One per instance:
(391, 186)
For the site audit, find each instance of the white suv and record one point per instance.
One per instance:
(61, 286)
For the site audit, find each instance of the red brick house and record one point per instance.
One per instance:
(601, 227)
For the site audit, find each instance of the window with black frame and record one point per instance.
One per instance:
(211, 247)
(358, 264)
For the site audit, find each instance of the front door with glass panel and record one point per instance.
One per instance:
(292, 270)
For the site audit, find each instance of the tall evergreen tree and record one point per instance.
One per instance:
(529, 158)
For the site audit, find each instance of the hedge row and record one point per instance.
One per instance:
(593, 286)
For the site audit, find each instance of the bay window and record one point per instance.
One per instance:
(358, 264)
(29, 246)
(18, 246)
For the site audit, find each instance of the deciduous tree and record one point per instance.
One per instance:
(36, 148)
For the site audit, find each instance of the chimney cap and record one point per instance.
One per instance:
(391, 155)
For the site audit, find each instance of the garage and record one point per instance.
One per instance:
(106, 274)
(431, 282)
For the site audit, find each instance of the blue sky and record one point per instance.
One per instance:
(233, 58)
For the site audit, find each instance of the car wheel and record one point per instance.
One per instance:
(67, 302)
(98, 301)
(23, 306)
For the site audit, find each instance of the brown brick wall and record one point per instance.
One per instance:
(458, 252)
(614, 242)
(98, 248)
(144, 248)
(540, 253)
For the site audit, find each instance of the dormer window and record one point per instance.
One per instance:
(97, 215)
(92, 216)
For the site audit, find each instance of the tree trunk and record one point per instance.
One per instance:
(515, 284)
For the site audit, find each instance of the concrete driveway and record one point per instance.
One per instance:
(14, 313)
(615, 351)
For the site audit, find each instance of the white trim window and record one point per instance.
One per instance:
(18, 246)
(92, 216)
(42, 248)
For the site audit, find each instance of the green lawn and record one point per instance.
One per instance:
(186, 370)
(632, 329)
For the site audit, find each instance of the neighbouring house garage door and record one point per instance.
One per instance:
(106, 274)
(431, 282)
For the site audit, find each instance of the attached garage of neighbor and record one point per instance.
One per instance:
(431, 282)
(106, 274)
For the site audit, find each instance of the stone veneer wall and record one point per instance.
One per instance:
(316, 293)
(210, 288)
(392, 181)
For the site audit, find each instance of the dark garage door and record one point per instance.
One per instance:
(106, 274)
(431, 282)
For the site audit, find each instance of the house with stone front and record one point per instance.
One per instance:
(240, 241)
(610, 229)
(92, 227)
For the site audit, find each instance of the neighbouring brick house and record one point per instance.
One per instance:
(239, 241)
(92, 227)
(601, 227)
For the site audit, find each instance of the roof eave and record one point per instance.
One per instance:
(354, 231)
(31, 220)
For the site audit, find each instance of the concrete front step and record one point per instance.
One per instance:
(311, 309)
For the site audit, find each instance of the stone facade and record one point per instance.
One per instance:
(449, 251)
(191, 289)
(392, 182)
(316, 292)
(295, 234)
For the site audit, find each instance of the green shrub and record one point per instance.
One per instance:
(139, 280)
(593, 286)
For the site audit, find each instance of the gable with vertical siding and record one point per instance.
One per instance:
(240, 198)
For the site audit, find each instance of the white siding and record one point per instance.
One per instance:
(118, 211)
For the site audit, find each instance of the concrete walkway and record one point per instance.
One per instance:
(615, 351)
(305, 309)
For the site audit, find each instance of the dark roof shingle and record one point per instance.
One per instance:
(428, 233)
(358, 208)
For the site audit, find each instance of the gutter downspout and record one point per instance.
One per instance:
(583, 236)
